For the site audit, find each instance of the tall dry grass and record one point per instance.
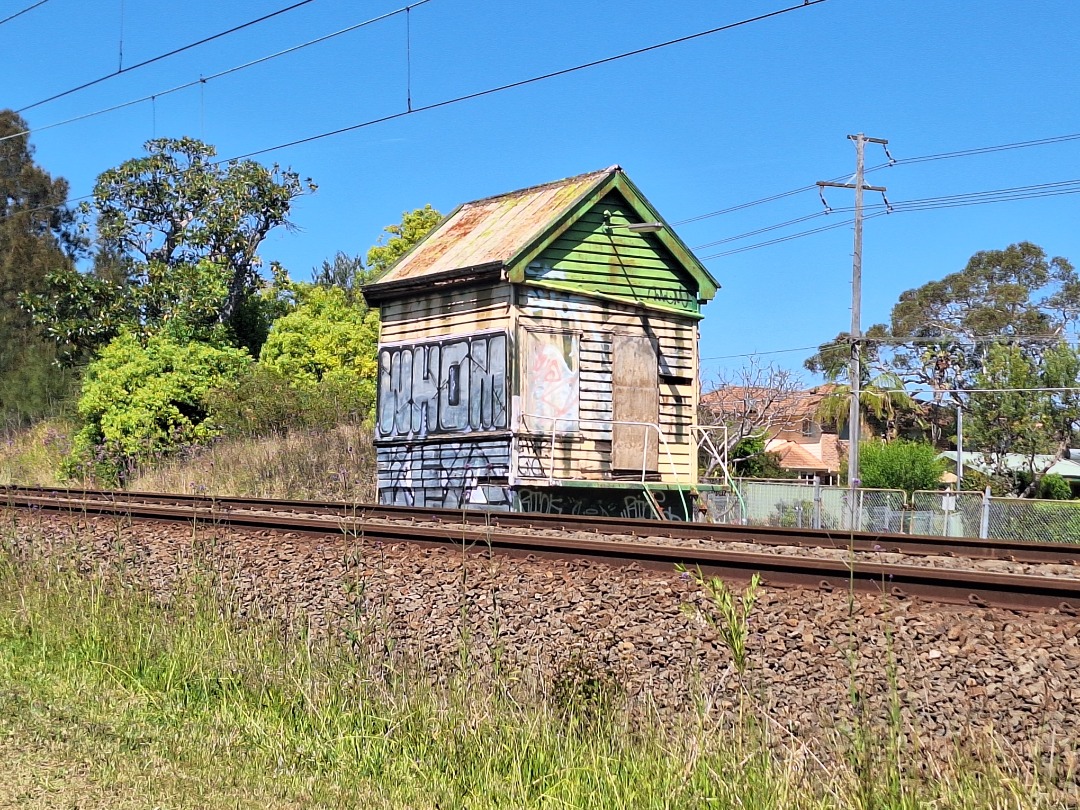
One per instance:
(335, 464)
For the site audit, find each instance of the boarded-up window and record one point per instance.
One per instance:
(635, 404)
(550, 383)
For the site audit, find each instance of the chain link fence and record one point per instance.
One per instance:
(946, 514)
(1022, 519)
(795, 504)
(798, 505)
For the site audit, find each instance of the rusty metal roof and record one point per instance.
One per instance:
(492, 230)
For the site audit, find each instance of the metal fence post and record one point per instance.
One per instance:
(984, 519)
(817, 503)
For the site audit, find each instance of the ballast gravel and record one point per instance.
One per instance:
(818, 662)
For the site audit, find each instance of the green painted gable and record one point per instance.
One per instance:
(589, 258)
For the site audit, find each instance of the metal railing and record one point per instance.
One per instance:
(943, 513)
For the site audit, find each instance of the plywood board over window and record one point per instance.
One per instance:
(635, 399)
(550, 383)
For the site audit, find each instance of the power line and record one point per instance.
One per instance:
(1016, 193)
(523, 82)
(470, 96)
(20, 13)
(979, 150)
(748, 234)
(891, 341)
(162, 56)
(202, 80)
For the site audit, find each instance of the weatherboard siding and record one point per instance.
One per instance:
(436, 315)
(617, 263)
(587, 453)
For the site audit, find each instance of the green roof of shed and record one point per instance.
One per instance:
(507, 231)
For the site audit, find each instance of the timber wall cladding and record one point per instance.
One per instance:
(587, 453)
(620, 264)
(437, 315)
(428, 393)
(443, 473)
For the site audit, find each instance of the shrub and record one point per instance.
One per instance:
(145, 401)
(1053, 487)
(900, 464)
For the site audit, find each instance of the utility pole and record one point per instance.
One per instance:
(854, 421)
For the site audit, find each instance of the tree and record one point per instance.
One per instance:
(1025, 409)
(940, 334)
(325, 339)
(753, 461)
(750, 403)
(345, 272)
(36, 237)
(882, 400)
(997, 324)
(181, 234)
(414, 226)
(141, 401)
(900, 464)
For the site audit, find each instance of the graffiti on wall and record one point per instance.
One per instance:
(602, 502)
(550, 385)
(445, 474)
(454, 385)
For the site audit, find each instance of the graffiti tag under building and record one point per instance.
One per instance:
(447, 386)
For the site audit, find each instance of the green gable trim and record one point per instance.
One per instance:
(589, 258)
(616, 193)
(661, 307)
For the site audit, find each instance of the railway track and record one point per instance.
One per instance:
(623, 541)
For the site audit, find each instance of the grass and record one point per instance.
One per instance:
(112, 698)
(31, 457)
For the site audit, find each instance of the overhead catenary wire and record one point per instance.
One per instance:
(532, 80)
(166, 55)
(23, 11)
(203, 80)
(471, 96)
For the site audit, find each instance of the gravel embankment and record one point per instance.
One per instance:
(953, 670)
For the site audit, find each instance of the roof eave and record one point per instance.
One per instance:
(376, 293)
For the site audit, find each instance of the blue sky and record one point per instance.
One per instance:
(700, 126)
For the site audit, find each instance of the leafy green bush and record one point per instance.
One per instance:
(1053, 487)
(326, 340)
(145, 401)
(901, 464)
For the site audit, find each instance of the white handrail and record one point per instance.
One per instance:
(663, 442)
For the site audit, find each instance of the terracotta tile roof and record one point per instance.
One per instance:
(797, 404)
(832, 450)
(492, 230)
(794, 456)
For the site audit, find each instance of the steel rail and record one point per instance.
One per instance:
(1022, 551)
(957, 586)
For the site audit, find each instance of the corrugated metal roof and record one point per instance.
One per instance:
(1017, 462)
(493, 229)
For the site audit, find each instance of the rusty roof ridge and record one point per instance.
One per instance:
(612, 169)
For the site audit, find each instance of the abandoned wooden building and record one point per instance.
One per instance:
(539, 352)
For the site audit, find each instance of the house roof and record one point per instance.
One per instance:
(751, 399)
(794, 456)
(1017, 462)
(505, 231)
